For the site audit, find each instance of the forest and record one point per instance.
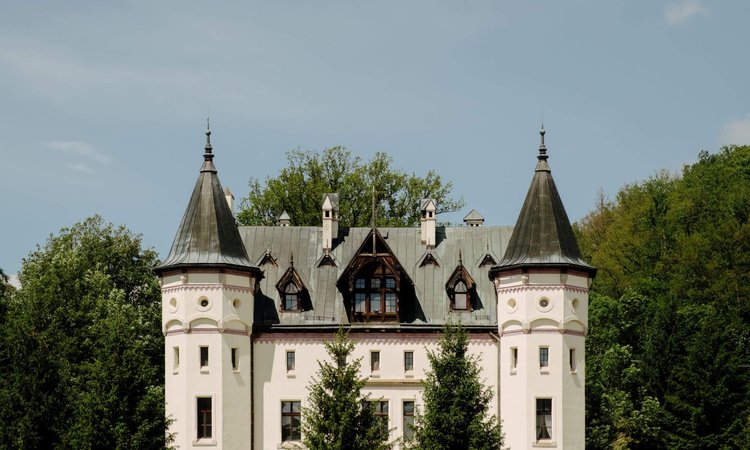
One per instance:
(668, 348)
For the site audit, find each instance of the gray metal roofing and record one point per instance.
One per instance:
(208, 234)
(306, 245)
(543, 235)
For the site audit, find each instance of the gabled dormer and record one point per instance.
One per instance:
(374, 283)
(292, 291)
(460, 288)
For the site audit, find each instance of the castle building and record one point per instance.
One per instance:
(246, 311)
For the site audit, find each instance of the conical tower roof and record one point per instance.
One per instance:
(543, 236)
(208, 235)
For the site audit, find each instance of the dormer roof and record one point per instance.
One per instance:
(208, 235)
(543, 236)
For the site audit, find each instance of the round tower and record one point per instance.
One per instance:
(542, 288)
(207, 285)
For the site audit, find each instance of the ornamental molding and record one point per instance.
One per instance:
(543, 331)
(318, 338)
(207, 331)
(541, 287)
(206, 287)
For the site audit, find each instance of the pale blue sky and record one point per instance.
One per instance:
(103, 104)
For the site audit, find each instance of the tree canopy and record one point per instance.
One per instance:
(456, 401)
(81, 348)
(299, 189)
(667, 354)
(339, 417)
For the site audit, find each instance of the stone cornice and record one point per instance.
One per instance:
(206, 287)
(541, 287)
(542, 331)
(207, 331)
(379, 338)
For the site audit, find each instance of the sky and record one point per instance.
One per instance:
(103, 104)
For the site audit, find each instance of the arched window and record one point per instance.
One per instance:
(460, 300)
(291, 297)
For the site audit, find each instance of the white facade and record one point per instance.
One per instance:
(543, 317)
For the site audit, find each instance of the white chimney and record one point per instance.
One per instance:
(330, 220)
(230, 199)
(428, 219)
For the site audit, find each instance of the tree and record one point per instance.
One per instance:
(82, 351)
(339, 416)
(300, 186)
(455, 413)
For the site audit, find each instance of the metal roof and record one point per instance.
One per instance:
(305, 243)
(208, 234)
(543, 236)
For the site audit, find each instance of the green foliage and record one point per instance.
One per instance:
(81, 354)
(669, 336)
(339, 417)
(455, 401)
(300, 186)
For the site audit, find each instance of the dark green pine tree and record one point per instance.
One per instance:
(455, 401)
(339, 416)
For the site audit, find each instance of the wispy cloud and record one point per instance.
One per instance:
(79, 148)
(736, 132)
(78, 167)
(681, 11)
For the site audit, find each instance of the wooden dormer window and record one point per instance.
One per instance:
(291, 297)
(375, 294)
(460, 289)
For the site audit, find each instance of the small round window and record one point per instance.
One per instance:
(236, 303)
(204, 303)
(544, 303)
(512, 305)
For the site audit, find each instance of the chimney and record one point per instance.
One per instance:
(230, 199)
(284, 219)
(427, 211)
(330, 220)
(474, 219)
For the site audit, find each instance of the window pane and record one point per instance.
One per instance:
(359, 283)
(408, 420)
(204, 356)
(375, 306)
(359, 302)
(543, 418)
(390, 302)
(375, 283)
(235, 362)
(204, 417)
(290, 361)
(460, 302)
(374, 361)
(460, 287)
(291, 302)
(290, 421)
(543, 357)
(408, 360)
(291, 288)
(390, 283)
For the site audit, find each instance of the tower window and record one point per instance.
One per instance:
(408, 361)
(204, 357)
(290, 360)
(514, 358)
(543, 357)
(408, 420)
(290, 421)
(203, 406)
(543, 418)
(175, 358)
(374, 361)
(572, 357)
(235, 359)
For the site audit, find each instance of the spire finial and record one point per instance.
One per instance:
(208, 146)
(291, 259)
(460, 258)
(542, 147)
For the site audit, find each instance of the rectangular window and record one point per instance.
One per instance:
(408, 420)
(374, 361)
(543, 418)
(359, 302)
(176, 358)
(381, 415)
(204, 417)
(235, 359)
(390, 302)
(572, 352)
(290, 360)
(514, 358)
(290, 421)
(408, 361)
(543, 357)
(204, 356)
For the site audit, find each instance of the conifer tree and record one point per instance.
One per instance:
(455, 413)
(339, 416)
